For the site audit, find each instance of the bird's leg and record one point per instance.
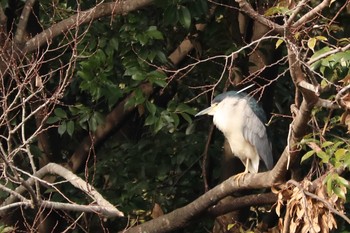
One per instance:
(241, 175)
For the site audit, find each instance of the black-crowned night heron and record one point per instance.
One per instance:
(241, 120)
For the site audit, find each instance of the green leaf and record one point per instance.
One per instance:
(322, 155)
(161, 57)
(153, 33)
(159, 124)
(339, 192)
(151, 108)
(59, 112)
(329, 183)
(52, 120)
(185, 17)
(92, 124)
(176, 119)
(307, 155)
(342, 181)
(138, 76)
(171, 15)
(84, 75)
(185, 109)
(62, 128)
(70, 128)
(339, 154)
(186, 117)
(114, 43)
(326, 144)
(160, 82)
(150, 120)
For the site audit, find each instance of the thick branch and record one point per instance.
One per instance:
(104, 207)
(23, 21)
(101, 10)
(3, 17)
(248, 9)
(182, 216)
(243, 202)
(308, 16)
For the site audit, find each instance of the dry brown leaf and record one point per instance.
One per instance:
(293, 227)
(346, 80)
(345, 119)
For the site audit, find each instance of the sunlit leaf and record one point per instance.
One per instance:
(321, 38)
(339, 192)
(323, 156)
(311, 43)
(307, 155)
(279, 42)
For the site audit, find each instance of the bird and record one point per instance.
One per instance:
(242, 121)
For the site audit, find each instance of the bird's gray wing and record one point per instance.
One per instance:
(254, 131)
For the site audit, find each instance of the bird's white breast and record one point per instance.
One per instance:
(229, 119)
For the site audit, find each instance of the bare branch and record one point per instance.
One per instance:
(242, 202)
(324, 103)
(311, 14)
(310, 87)
(104, 207)
(93, 208)
(296, 10)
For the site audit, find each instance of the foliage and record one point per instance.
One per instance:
(154, 156)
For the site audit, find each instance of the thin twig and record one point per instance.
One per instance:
(205, 160)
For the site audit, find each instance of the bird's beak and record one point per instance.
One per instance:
(210, 111)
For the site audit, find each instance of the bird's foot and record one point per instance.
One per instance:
(239, 176)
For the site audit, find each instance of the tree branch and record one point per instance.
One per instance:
(308, 16)
(333, 51)
(101, 10)
(103, 206)
(3, 17)
(340, 95)
(23, 21)
(248, 9)
(242, 202)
